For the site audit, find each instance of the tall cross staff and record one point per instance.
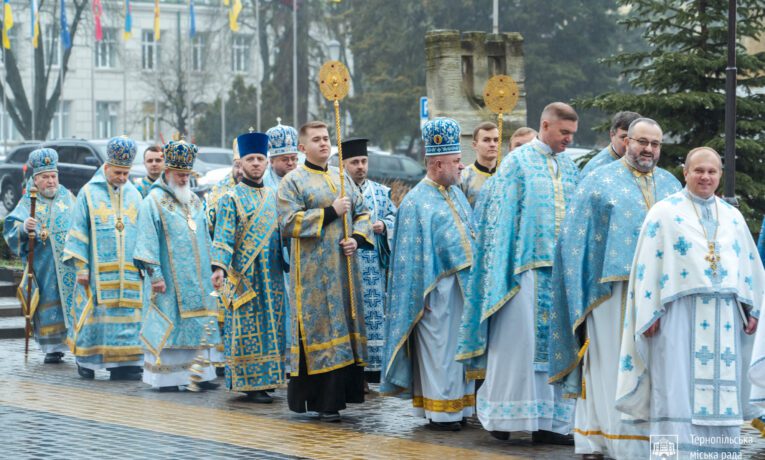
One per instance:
(334, 82)
(500, 95)
(30, 271)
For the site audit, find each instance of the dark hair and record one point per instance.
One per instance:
(623, 120)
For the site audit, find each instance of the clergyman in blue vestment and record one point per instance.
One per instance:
(52, 293)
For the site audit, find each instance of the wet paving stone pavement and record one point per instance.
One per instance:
(49, 412)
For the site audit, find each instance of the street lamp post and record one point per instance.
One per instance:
(729, 172)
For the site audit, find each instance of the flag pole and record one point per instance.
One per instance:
(5, 101)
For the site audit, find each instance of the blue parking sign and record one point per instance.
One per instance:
(424, 108)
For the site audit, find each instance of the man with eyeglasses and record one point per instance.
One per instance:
(593, 260)
(620, 123)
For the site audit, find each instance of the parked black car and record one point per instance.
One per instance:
(387, 168)
(12, 172)
(78, 160)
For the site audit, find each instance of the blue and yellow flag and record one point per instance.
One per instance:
(7, 23)
(35, 26)
(233, 15)
(192, 20)
(66, 38)
(157, 30)
(128, 31)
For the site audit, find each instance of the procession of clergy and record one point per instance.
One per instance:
(595, 307)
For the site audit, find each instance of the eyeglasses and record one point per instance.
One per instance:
(645, 143)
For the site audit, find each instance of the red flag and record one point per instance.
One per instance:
(97, 10)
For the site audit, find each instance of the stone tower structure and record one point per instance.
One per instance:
(458, 67)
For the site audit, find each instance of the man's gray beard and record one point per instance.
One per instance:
(182, 192)
(49, 192)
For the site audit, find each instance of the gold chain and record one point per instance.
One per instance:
(711, 256)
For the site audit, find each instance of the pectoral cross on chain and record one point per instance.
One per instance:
(712, 257)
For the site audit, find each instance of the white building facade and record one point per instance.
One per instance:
(111, 86)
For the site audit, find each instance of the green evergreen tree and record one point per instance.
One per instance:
(680, 82)
(240, 116)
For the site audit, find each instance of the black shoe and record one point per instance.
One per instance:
(501, 435)
(444, 426)
(54, 358)
(329, 417)
(260, 397)
(86, 373)
(172, 389)
(220, 371)
(548, 437)
(124, 373)
(208, 385)
(592, 457)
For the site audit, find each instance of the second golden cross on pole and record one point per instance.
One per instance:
(500, 95)
(334, 83)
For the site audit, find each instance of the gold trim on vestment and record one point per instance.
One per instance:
(611, 436)
(79, 236)
(136, 318)
(497, 306)
(167, 369)
(560, 200)
(444, 405)
(115, 284)
(223, 246)
(76, 257)
(298, 225)
(337, 341)
(112, 352)
(613, 279)
(473, 167)
(121, 265)
(475, 374)
(156, 351)
(52, 329)
(532, 266)
(612, 152)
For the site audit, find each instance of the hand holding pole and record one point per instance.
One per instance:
(30, 271)
(334, 81)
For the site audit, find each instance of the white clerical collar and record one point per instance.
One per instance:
(697, 199)
(542, 147)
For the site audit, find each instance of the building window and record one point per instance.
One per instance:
(148, 127)
(52, 47)
(9, 131)
(150, 50)
(198, 44)
(106, 119)
(240, 54)
(106, 50)
(148, 121)
(59, 124)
